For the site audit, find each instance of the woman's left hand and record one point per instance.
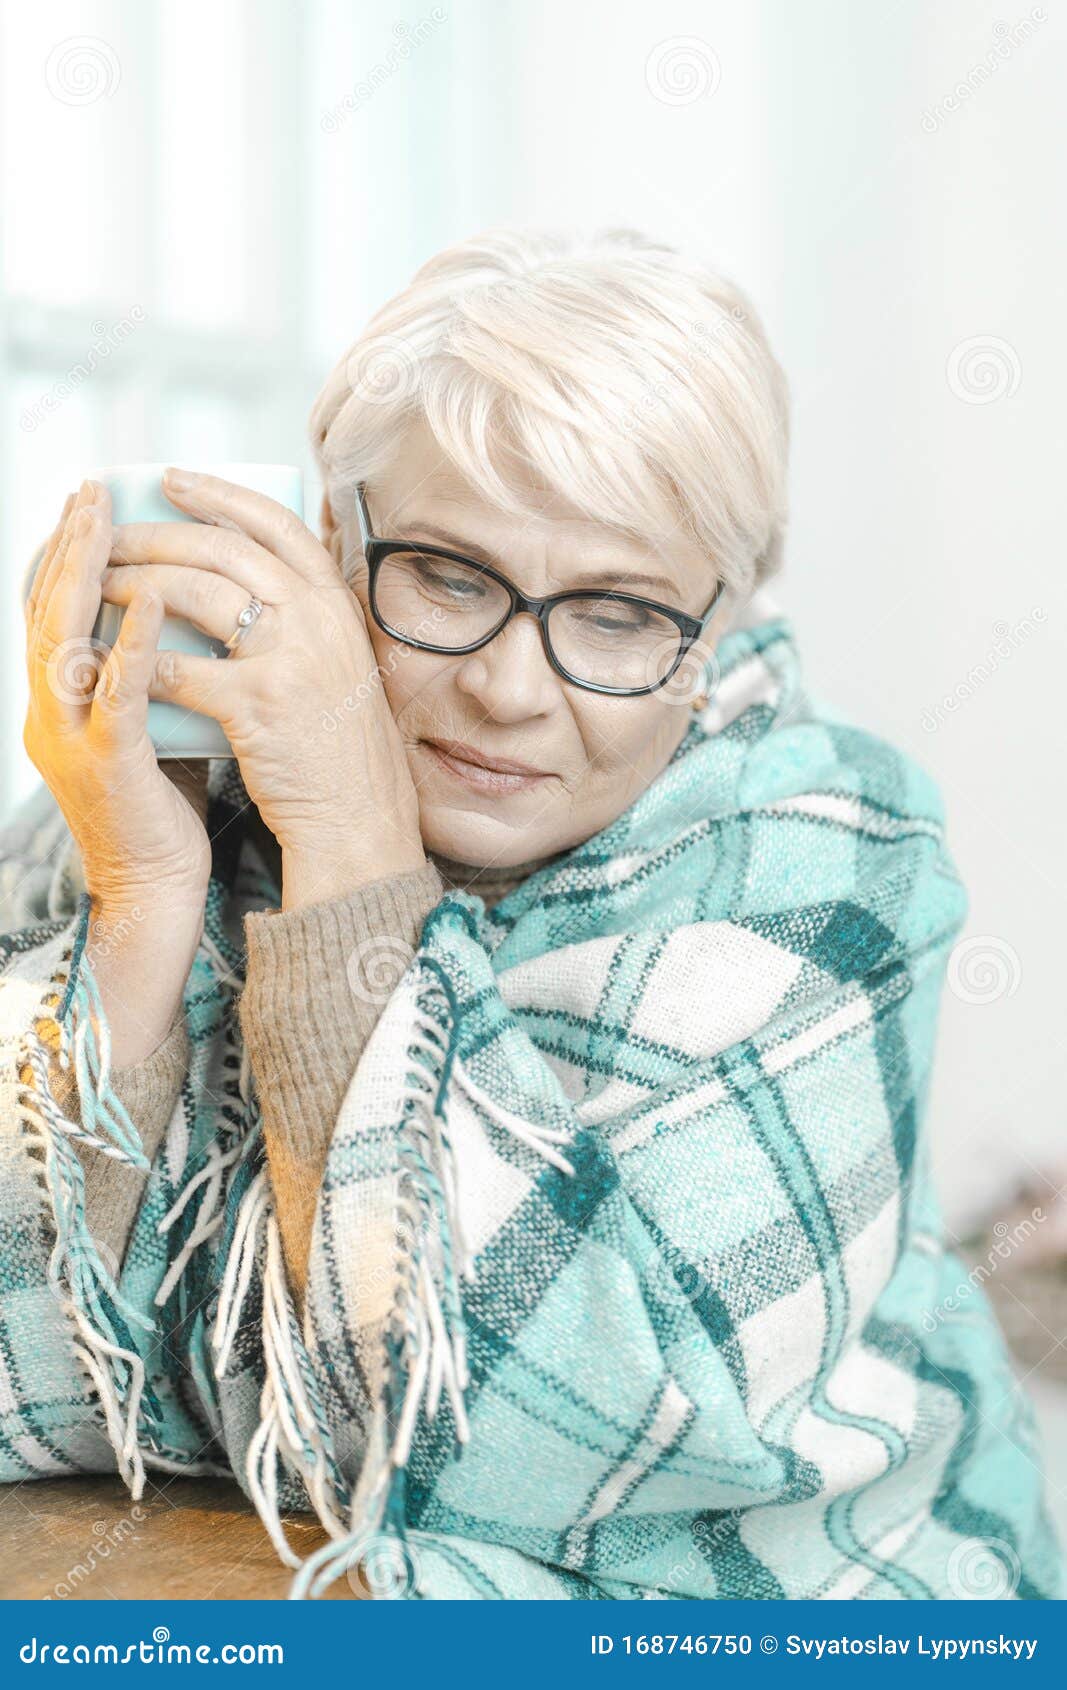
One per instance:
(339, 798)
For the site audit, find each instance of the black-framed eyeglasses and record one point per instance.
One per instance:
(436, 599)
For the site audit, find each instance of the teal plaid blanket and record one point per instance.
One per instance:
(624, 1261)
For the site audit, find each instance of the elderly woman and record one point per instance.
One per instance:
(488, 1111)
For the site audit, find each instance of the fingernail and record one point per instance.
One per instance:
(180, 479)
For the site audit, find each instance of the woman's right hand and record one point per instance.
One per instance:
(145, 853)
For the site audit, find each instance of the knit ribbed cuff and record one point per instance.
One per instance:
(316, 982)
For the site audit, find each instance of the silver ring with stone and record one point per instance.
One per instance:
(244, 621)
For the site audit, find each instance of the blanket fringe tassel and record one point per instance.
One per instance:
(426, 1349)
(77, 1039)
(426, 1343)
(292, 1424)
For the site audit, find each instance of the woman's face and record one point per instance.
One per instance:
(580, 758)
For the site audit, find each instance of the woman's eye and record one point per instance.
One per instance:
(611, 619)
(437, 579)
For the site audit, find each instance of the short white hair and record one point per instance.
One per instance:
(610, 369)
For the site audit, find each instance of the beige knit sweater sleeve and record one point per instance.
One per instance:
(315, 984)
(317, 980)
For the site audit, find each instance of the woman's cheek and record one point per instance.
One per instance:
(629, 742)
(408, 679)
(621, 734)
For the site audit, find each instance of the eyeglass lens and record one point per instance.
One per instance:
(608, 642)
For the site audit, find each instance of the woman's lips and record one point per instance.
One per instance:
(480, 772)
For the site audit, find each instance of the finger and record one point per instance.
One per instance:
(47, 578)
(203, 684)
(210, 601)
(64, 658)
(82, 493)
(196, 545)
(71, 595)
(47, 554)
(274, 526)
(119, 712)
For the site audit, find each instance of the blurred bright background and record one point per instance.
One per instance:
(204, 202)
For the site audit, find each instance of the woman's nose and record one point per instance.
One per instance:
(511, 677)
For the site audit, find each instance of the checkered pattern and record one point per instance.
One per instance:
(626, 1233)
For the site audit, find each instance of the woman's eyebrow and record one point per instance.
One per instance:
(480, 554)
(454, 542)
